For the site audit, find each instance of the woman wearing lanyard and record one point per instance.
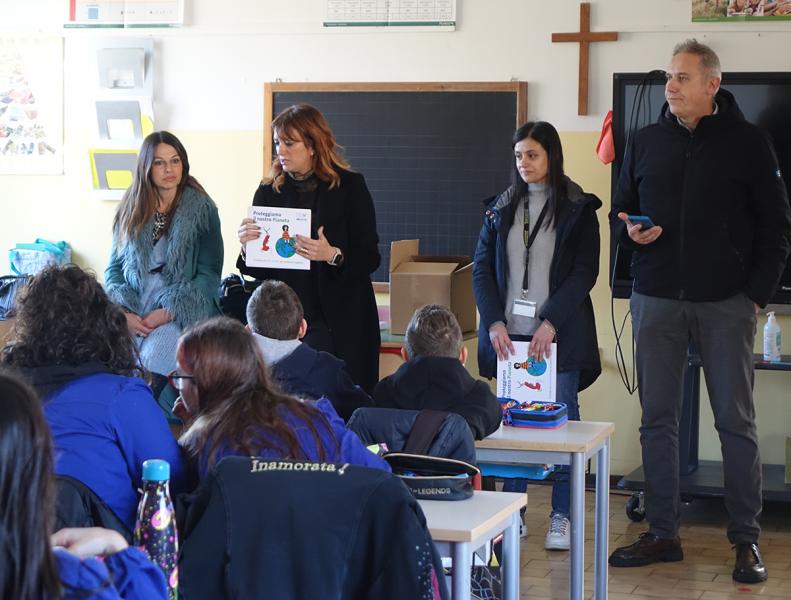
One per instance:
(536, 261)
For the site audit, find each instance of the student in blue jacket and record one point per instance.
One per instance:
(232, 408)
(71, 343)
(30, 567)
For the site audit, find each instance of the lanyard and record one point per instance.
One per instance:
(529, 237)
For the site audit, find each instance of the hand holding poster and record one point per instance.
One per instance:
(276, 246)
(527, 378)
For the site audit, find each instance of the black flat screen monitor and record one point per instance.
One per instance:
(764, 98)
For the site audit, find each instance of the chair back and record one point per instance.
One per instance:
(77, 505)
(261, 528)
(395, 427)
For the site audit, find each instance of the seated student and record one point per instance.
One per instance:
(275, 316)
(33, 566)
(232, 408)
(434, 376)
(72, 344)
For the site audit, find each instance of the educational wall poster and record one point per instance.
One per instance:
(527, 378)
(741, 10)
(276, 247)
(125, 13)
(31, 105)
(391, 13)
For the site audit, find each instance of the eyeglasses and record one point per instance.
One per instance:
(177, 379)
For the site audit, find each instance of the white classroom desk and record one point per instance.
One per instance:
(573, 444)
(458, 528)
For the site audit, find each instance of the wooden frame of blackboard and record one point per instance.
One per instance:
(270, 89)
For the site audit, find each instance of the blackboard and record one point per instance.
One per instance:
(430, 153)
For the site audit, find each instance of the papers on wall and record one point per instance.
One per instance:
(124, 112)
(124, 120)
(741, 10)
(31, 105)
(125, 13)
(435, 14)
(527, 378)
(112, 170)
(276, 247)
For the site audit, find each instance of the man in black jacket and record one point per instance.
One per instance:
(710, 182)
(433, 374)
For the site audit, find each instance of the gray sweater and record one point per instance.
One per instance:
(540, 259)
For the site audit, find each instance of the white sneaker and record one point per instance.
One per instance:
(559, 534)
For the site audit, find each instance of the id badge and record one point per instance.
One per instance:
(524, 308)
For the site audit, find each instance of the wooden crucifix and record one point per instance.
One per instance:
(584, 37)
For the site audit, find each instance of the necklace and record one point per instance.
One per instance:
(160, 224)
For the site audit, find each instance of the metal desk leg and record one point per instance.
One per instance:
(602, 520)
(577, 526)
(462, 571)
(510, 566)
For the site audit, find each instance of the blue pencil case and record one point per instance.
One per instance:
(538, 415)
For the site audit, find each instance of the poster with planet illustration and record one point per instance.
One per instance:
(276, 247)
(527, 378)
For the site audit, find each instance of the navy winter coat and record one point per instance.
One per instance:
(441, 383)
(268, 528)
(573, 272)
(308, 373)
(720, 199)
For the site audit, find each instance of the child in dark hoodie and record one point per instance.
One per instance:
(433, 374)
(276, 319)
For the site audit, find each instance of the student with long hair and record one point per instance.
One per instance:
(167, 254)
(71, 342)
(233, 409)
(310, 173)
(30, 569)
(536, 262)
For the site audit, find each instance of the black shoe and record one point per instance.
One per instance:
(749, 566)
(646, 550)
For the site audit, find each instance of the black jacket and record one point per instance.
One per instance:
(572, 274)
(282, 529)
(345, 293)
(718, 195)
(440, 383)
(393, 426)
(308, 373)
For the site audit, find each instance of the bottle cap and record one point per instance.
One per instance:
(156, 470)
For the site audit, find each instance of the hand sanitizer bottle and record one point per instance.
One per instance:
(771, 339)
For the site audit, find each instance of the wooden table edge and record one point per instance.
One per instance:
(490, 443)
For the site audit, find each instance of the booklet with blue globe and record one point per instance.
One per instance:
(276, 246)
(527, 378)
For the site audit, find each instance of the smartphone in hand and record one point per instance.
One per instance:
(641, 220)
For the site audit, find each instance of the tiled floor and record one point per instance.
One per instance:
(704, 574)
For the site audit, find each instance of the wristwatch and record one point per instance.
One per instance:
(337, 260)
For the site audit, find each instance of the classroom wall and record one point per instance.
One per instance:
(208, 82)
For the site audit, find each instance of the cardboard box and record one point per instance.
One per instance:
(417, 280)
